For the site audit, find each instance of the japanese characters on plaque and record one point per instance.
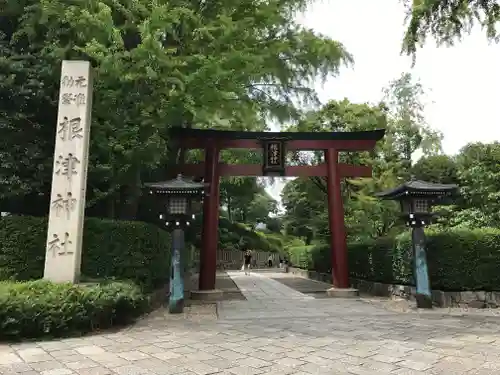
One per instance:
(274, 157)
(274, 154)
(69, 175)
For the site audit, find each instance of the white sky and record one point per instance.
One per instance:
(463, 81)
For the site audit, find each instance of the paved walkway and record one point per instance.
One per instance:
(277, 331)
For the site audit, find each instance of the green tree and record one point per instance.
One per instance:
(274, 224)
(261, 207)
(237, 194)
(479, 178)
(448, 20)
(304, 215)
(223, 64)
(365, 216)
(436, 168)
(409, 131)
(476, 172)
(305, 199)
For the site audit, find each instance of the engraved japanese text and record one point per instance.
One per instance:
(70, 81)
(59, 246)
(78, 99)
(65, 204)
(70, 129)
(66, 166)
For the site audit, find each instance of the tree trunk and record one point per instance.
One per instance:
(229, 209)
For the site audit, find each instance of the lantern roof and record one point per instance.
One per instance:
(179, 185)
(418, 188)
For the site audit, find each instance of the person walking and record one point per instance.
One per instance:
(270, 261)
(248, 261)
(286, 264)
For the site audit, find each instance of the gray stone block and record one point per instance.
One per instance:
(342, 293)
(207, 295)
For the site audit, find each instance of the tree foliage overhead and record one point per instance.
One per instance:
(448, 20)
(219, 64)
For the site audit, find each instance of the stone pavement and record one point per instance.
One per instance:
(276, 331)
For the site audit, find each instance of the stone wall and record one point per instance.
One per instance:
(476, 299)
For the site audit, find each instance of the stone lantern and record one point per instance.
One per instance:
(416, 199)
(177, 201)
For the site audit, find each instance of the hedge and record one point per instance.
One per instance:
(40, 308)
(121, 250)
(231, 234)
(457, 259)
(276, 241)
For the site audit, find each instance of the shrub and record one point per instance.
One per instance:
(457, 259)
(232, 234)
(111, 249)
(386, 260)
(290, 242)
(40, 308)
(275, 240)
(464, 259)
(302, 257)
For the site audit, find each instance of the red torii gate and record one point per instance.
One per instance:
(274, 145)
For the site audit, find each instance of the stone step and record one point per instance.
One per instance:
(264, 270)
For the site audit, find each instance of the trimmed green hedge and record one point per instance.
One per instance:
(121, 250)
(40, 308)
(457, 259)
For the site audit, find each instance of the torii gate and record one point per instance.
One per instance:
(274, 145)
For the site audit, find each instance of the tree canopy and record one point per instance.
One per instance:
(448, 21)
(223, 64)
(220, 64)
(474, 169)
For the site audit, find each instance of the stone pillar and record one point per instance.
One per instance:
(69, 180)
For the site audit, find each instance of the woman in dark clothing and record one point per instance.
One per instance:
(248, 261)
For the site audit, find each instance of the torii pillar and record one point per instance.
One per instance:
(210, 232)
(340, 266)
